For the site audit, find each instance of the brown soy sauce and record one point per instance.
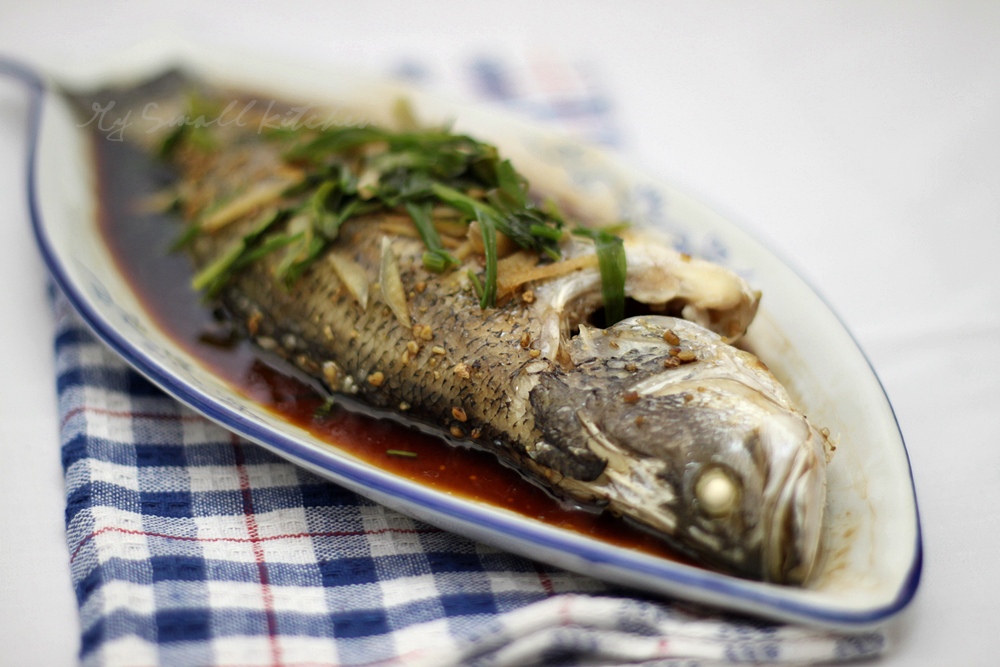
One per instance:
(140, 242)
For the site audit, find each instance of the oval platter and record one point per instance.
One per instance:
(871, 546)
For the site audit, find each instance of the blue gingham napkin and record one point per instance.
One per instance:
(190, 546)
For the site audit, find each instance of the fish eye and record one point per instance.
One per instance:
(717, 491)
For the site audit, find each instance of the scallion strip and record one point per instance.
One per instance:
(314, 249)
(403, 453)
(190, 233)
(463, 202)
(336, 141)
(546, 232)
(487, 217)
(476, 284)
(613, 267)
(437, 259)
(489, 233)
(435, 262)
(269, 245)
(510, 184)
(213, 277)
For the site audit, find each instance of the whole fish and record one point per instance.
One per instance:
(656, 418)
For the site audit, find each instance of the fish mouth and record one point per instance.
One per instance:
(792, 539)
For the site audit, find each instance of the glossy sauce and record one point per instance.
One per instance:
(140, 241)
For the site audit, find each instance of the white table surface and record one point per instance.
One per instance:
(859, 140)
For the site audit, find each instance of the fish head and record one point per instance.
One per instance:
(692, 439)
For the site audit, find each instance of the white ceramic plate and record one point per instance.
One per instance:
(871, 560)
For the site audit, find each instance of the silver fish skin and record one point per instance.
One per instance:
(656, 419)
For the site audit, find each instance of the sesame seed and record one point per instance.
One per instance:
(253, 322)
(376, 379)
(457, 431)
(459, 414)
(462, 371)
(534, 354)
(437, 349)
(306, 364)
(671, 337)
(423, 331)
(330, 372)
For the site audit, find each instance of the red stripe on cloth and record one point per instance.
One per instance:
(545, 580)
(258, 551)
(402, 659)
(126, 414)
(188, 538)
(565, 611)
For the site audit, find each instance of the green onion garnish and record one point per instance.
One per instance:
(214, 276)
(436, 259)
(325, 410)
(488, 299)
(476, 284)
(411, 170)
(401, 453)
(543, 232)
(611, 261)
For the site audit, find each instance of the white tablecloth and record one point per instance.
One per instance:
(860, 140)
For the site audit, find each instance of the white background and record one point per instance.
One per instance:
(860, 140)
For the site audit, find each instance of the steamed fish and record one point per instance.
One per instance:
(419, 276)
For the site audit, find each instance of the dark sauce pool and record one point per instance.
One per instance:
(140, 243)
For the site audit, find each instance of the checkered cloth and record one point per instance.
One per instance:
(191, 546)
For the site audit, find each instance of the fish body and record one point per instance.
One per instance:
(656, 418)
